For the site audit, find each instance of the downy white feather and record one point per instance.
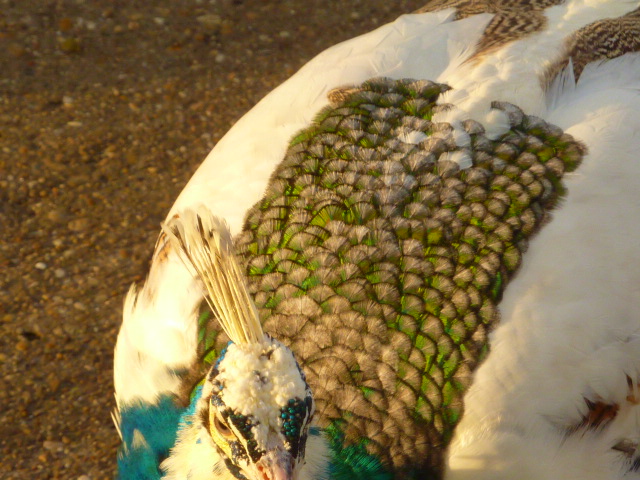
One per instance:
(158, 332)
(570, 324)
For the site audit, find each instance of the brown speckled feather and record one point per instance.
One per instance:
(512, 20)
(604, 39)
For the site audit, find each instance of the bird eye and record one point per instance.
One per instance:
(222, 428)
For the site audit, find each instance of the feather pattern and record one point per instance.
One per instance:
(454, 190)
(207, 247)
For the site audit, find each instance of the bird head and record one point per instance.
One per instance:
(255, 406)
(258, 410)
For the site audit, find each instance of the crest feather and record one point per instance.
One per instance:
(206, 246)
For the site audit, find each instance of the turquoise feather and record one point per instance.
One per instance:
(158, 426)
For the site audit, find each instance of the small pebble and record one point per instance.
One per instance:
(41, 266)
(210, 21)
(78, 225)
(79, 306)
(53, 446)
(59, 273)
(56, 216)
(65, 24)
(53, 381)
(69, 45)
(101, 298)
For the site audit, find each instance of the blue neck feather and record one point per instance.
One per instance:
(158, 424)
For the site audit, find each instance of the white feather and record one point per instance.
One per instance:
(158, 333)
(570, 323)
(206, 246)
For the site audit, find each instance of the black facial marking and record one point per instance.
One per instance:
(216, 401)
(234, 469)
(238, 453)
(302, 445)
(295, 416)
(204, 418)
(213, 373)
(244, 424)
(304, 378)
(254, 452)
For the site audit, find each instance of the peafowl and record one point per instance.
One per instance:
(416, 259)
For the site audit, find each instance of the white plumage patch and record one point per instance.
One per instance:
(258, 380)
(158, 333)
(195, 457)
(570, 328)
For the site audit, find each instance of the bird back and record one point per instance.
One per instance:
(380, 220)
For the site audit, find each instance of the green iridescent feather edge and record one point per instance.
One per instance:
(381, 262)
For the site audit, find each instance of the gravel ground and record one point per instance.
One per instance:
(106, 109)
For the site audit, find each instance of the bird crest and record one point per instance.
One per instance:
(206, 246)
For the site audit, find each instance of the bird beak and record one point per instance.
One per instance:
(276, 465)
